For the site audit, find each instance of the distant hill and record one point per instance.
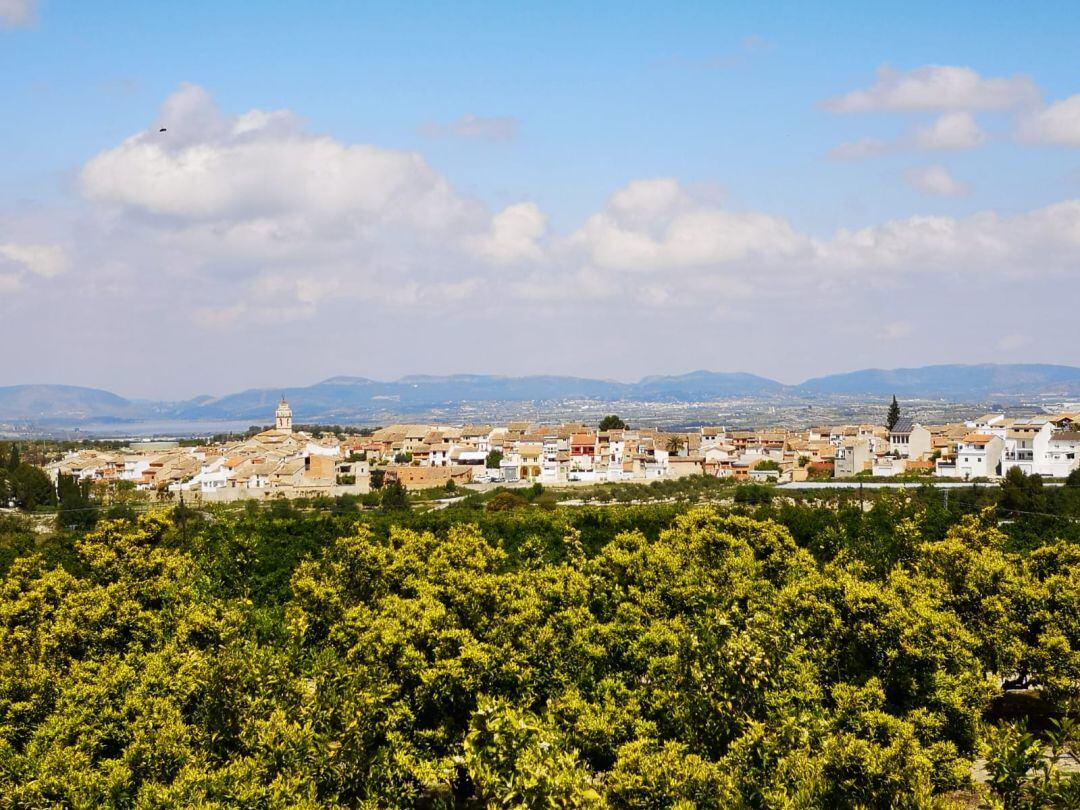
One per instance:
(64, 402)
(706, 385)
(954, 382)
(345, 398)
(345, 395)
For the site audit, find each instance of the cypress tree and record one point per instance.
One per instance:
(894, 413)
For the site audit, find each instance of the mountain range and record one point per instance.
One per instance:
(339, 399)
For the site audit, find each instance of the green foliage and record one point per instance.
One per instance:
(31, 488)
(515, 760)
(312, 655)
(612, 422)
(1024, 771)
(393, 496)
(753, 493)
(378, 477)
(12, 461)
(77, 510)
(691, 487)
(1021, 493)
(493, 459)
(505, 501)
(894, 414)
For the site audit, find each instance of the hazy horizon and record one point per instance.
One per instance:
(284, 385)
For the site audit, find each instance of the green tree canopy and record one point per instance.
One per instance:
(612, 422)
(894, 414)
(622, 657)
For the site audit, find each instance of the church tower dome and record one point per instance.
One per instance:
(283, 416)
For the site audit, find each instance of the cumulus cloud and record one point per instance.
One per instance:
(655, 225)
(703, 250)
(273, 222)
(952, 130)
(17, 12)
(261, 166)
(42, 260)
(513, 236)
(936, 181)
(250, 220)
(1059, 123)
(474, 127)
(1041, 243)
(937, 87)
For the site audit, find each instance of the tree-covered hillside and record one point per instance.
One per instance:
(624, 657)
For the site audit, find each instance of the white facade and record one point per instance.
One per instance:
(851, 458)
(1026, 447)
(1062, 454)
(979, 456)
(914, 444)
(283, 416)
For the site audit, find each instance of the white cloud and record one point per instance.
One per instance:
(475, 127)
(42, 260)
(1041, 243)
(952, 130)
(270, 223)
(654, 225)
(261, 166)
(244, 222)
(17, 12)
(1058, 123)
(936, 181)
(937, 87)
(514, 235)
(706, 252)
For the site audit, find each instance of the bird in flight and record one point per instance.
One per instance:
(162, 130)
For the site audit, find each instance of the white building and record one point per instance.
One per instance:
(851, 458)
(1026, 446)
(909, 440)
(978, 455)
(283, 417)
(1062, 453)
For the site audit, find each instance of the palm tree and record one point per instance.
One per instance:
(674, 445)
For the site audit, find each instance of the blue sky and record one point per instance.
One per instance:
(723, 108)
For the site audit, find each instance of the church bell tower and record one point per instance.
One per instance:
(283, 416)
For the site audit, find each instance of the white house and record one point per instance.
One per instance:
(978, 455)
(851, 458)
(1062, 453)
(909, 440)
(888, 466)
(1026, 446)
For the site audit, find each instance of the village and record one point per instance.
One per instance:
(283, 462)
